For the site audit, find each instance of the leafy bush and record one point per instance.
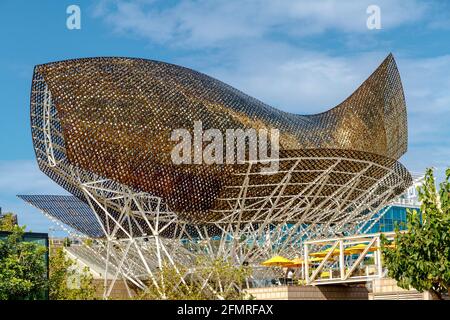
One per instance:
(421, 256)
(66, 282)
(23, 273)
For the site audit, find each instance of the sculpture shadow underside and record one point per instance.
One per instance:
(101, 129)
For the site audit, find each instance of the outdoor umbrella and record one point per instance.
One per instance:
(277, 261)
(297, 262)
(325, 252)
(359, 248)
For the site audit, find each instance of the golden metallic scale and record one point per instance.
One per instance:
(113, 118)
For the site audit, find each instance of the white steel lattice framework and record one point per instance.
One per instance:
(134, 254)
(317, 193)
(135, 245)
(343, 259)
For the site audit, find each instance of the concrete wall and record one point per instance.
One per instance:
(328, 292)
(119, 291)
(387, 289)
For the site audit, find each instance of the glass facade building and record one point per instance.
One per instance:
(396, 214)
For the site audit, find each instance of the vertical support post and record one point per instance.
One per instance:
(47, 127)
(306, 262)
(378, 257)
(341, 259)
(105, 279)
(303, 271)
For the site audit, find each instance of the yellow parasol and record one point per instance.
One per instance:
(359, 248)
(277, 261)
(323, 253)
(297, 262)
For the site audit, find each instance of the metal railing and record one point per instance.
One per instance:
(344, 260)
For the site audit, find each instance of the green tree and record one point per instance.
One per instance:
(421, 255)
(7, 222)
(224, 281)
(66, 282)
(22, 268)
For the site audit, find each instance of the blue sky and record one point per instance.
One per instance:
(299, 56)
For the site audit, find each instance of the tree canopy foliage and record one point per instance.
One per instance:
(7, 222)
(23, 269)
(420, 257)
(23, 273)
(66, 281)
(224, 281)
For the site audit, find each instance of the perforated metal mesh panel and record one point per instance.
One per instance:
(113, 118)
(69, 210)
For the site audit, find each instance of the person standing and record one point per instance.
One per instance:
(290, 277)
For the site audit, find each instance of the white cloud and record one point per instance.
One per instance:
(24, 177)
(309, 82)
(426, 84)
(259, 47)
(295, 80)
(427, 81)
(205, 23)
